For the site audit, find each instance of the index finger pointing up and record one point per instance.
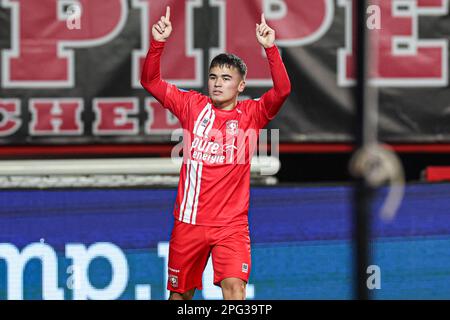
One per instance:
(263, 19)
(168, 13)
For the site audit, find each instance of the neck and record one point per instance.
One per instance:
(226, 105)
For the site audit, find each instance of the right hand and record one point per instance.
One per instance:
(163, 28)
(265, 34)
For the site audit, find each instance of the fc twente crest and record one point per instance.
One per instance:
(232, 127)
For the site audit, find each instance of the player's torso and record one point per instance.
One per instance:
(215, 176)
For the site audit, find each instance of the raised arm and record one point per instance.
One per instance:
(151, 73)
(273, 99)
(167, 94)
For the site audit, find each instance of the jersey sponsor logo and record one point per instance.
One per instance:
(203, 149)
(213, 152)
(210, 145)
(207, 151)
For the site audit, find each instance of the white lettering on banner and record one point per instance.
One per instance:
(79, 281)
(82, 258)
(163, 252)
(63, 117)
(113, 116)
(406, 58)
(15, 265)
(56, 116)
(160, 120)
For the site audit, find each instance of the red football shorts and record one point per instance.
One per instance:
(189, 250)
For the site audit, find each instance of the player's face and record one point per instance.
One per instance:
(224, 85)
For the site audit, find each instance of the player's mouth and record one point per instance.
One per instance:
(217, 92)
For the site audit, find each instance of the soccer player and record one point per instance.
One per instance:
(211, 208)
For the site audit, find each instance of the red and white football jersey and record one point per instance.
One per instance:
(214, 186)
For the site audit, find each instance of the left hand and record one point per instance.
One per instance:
(264, 34)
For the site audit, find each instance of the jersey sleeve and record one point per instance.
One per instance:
(271, 101)
(167, 94)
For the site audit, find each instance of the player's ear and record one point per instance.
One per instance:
(241, 86)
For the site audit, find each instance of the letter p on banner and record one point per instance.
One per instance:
(41, 42)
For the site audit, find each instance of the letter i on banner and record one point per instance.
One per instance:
(181, 64)
(297, 22)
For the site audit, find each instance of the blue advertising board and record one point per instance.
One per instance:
(113, 244)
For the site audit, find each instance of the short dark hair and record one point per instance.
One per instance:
(229, 60)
